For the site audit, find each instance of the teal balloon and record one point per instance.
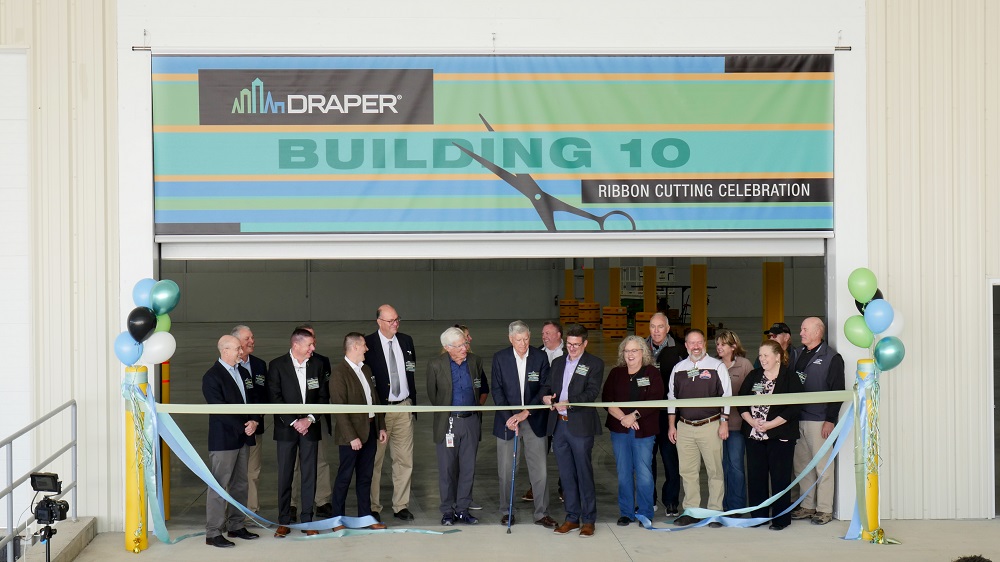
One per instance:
(162, 323)
(857, 331)
(863, 284)
(164, 296)
(127, 350)
(140, 293)
(889, 352)
(878, 315)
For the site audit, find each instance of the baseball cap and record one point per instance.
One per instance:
(778, 328)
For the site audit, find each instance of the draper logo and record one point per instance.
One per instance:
(316, 97)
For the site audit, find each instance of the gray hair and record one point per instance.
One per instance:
(452, 336)
(239, 328)
(647, 355)
(518, 327)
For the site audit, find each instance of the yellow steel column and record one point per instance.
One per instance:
(774, 293)
(136, 525)
(699, 296)
(569, 287)
(649, 288)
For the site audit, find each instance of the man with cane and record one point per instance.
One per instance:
(519, 373)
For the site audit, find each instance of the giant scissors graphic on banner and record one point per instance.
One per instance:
(545, 205)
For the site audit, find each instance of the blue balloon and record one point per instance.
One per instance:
(878, 315)
(127, 349)
(140, 293)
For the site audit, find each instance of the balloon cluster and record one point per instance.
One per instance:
(148, 339)
(877, 317)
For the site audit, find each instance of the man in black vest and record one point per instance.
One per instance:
(820, 368)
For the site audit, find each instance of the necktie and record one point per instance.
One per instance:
(393, 372)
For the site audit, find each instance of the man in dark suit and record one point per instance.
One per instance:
(229, 440)
(295, 379)
(258, 377)
(519, 373)
(666, 354)
(456, 379)
(392, 359)
(575, 377)
(324, 493)
(352, 382)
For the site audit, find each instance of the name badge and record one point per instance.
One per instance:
(692, 373)
(582, 370)
(642, 381)
(248, 383)
(657, 364)
(477, 382)
(312, 384)
(757, 388)
(260, 380)
(704, 375)
(449, 439)
(410, 366)
(533, 376)
(802, 376)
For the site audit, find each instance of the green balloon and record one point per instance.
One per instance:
(163, 296)
(162, 323)
(889, 352)
(862, 284)
(857, 331)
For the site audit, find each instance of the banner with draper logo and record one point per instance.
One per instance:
(492, 144)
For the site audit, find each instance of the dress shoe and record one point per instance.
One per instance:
(528, 496)
(243, 534)
(624, 521)
(715, 525)
(404, 514)
(377, 516)
(474, 505)
(776, 527)
(311, 533)
(377, 526)
(324, 511)
(339, 528)
(684, 520)
(464, 517)
(547, 522)
(507, 519)
(587, 530)
(448, 520)
(566, 527)
(281, 532)
(219, 541)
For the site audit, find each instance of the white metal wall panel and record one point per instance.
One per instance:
(929, 201)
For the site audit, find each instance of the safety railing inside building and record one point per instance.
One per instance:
(8, 542)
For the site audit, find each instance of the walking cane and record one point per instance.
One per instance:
(513, 474)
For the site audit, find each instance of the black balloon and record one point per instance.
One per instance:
(141, 323)
(861, 305)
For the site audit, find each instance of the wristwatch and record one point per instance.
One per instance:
(636, 414)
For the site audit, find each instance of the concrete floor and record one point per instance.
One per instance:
(922, 540)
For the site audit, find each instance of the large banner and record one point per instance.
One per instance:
(461, 144)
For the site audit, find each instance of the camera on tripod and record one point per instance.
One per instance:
(48, 510)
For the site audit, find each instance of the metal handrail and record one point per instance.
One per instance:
(8, 492)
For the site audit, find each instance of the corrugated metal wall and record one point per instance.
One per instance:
(933, 103)
(73, 117)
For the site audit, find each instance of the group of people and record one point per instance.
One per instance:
(379, 369)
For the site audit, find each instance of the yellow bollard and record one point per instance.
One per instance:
(135, 493)
(870, 527)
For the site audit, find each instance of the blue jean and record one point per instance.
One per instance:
(634, 461)
(733, 450)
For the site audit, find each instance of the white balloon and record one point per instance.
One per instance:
(158, 348)
(896, 327)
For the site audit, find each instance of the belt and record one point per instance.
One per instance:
(394, 402)
(563, 418)
(461, 414)
(697, 423)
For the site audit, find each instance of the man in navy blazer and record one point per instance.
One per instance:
(519, 373)
(257, 369)
(229, 440)
(394, 373)
(575, 378)
(294, 378)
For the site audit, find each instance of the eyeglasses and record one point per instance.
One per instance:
(575, 345)
(392, 321)
(457, 345)
(632, 351)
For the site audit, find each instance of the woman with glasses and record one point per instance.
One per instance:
(633, 430)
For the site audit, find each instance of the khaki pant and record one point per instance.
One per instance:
(695, 444)
(399, 426)
(810, 441)
(253, 476)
